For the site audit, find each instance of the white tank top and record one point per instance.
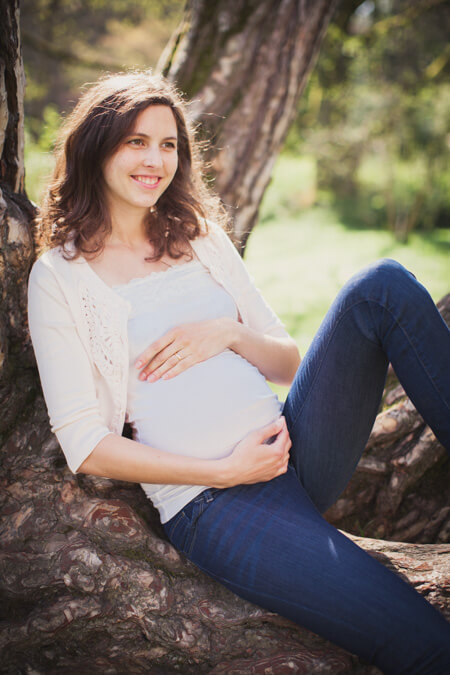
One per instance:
(206, 410)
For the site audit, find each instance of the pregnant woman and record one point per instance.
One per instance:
(141, 310)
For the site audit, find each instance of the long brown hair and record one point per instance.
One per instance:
(75, 209)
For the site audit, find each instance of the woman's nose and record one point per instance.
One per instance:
(153, 157)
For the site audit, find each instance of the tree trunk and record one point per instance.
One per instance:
(245, 64)
(18, 380)
(88, 581)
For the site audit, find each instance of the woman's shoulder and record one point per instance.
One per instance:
(52, 262)
(214, 228)
(43, 263)
(211, 246)
(216, 236)
(217, 251)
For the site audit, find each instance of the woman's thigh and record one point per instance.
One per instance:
(332, 405)
(269, 544)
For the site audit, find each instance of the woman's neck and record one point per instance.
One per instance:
(128, 228)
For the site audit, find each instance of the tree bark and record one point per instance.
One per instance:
(18, 380)
(88, 581)
(245, 64)
(90, 584)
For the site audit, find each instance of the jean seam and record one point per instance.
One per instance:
(419, 358)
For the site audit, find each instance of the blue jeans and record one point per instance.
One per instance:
(268, 542)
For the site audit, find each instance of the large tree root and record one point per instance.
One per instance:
(90, 584)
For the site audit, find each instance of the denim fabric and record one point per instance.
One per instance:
(269, 543)
(382, 314)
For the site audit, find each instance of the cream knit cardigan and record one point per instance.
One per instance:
(78, 327)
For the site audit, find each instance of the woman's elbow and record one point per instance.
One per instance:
(291, 364)
(94, 464)
(294, 362)
(86, 466)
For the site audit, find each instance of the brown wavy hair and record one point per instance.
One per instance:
(74, 208)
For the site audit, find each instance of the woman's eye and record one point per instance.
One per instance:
(170, 145)
(136, 141)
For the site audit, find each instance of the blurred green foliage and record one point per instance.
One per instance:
(67, 43)
(372, 126)
(375, 115)
(39, 160)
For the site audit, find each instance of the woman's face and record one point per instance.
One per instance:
(145, 162)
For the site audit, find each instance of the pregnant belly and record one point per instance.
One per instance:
(204, 411)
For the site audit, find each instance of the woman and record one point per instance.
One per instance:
(142, 310)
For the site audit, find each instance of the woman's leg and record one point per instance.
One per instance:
(382, 314)
(269, 544)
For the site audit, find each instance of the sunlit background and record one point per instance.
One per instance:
(364, 173)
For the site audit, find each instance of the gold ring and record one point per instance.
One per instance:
(178, 356)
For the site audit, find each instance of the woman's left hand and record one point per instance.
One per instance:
(184, 346)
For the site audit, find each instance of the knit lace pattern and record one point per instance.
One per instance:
(104, 323)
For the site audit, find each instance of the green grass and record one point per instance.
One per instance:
(301, 258)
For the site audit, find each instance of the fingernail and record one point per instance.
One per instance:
(138, 364)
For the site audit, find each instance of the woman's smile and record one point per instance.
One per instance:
(148, 155)
(148, 181)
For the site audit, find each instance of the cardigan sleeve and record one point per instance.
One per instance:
(64, 368)
(258, 314)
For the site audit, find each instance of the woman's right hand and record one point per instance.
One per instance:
(254, 460)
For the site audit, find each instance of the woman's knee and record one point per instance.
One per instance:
(385, 270)
(382, 279)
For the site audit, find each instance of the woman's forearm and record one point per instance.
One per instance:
(277, 358)
(253, 460)
(120, 458)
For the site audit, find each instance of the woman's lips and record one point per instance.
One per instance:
(149, 182)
